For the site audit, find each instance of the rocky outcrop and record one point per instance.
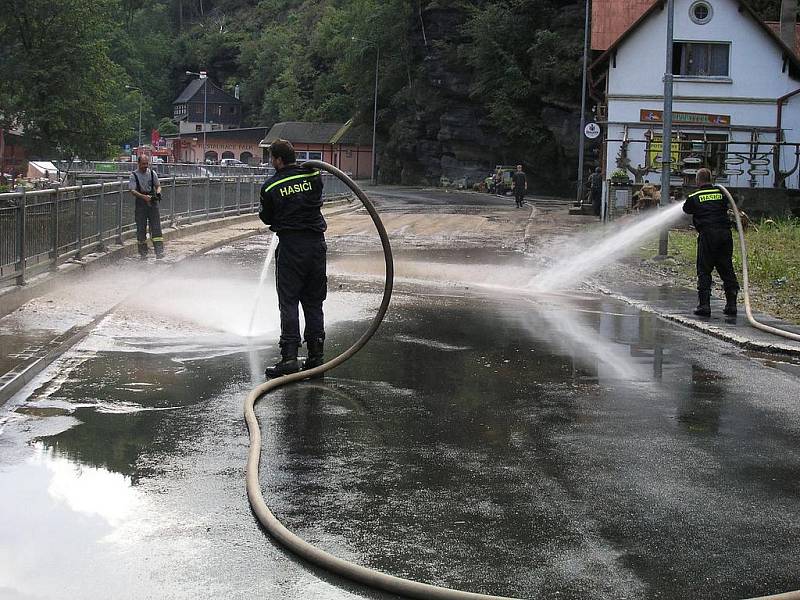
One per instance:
(444, 131)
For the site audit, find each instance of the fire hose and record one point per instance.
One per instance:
(746, 276)
(363, 575)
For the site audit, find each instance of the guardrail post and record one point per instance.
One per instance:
(239, 194)
(172, 202)
(222, 194)
(99, 214)
(21, 245)
(208, 189)
(54, 233)
(119, 213)
(189, 201)
(79, 220)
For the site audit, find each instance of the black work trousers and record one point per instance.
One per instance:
(597, 200)
(715, 251)
(300, 274)
(519, 196)
(148, 215)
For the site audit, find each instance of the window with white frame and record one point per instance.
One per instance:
(303, 155)
(701, 59)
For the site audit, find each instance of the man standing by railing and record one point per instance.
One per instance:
(144, 185)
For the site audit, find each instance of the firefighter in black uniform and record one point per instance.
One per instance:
(520, 182)
(709, 209)
(291, 202)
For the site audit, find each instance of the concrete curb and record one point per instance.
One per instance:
(707, 328)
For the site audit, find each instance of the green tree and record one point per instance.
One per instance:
(167, 127)
(64, 84)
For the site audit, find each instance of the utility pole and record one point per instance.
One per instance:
(375, 111)
(666, 137)
(375, 106)
(203, 75)
(582, 143)
(133, 87)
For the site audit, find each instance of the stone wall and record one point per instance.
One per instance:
(768, 202)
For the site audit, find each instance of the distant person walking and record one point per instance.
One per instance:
(520, 183)
(596, 191)
(144, 185)
(709, 209)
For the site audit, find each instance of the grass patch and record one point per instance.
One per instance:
(773, 248)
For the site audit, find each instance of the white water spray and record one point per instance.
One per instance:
(262, 278)
(587, 259)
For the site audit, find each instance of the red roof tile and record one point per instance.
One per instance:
(776, 27)
(612, 18)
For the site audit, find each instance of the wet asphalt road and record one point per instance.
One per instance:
(554, 447)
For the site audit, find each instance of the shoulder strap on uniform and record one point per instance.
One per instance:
(136, 177)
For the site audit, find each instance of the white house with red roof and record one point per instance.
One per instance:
(736, 93)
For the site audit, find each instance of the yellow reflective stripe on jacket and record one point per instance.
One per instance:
(707, 195)
(285, 179)
(157, 239)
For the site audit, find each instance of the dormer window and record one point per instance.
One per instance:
(701, 59)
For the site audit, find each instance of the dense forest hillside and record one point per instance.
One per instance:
(463, 85)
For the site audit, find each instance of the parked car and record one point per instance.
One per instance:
(231, 162)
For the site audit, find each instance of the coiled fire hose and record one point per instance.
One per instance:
(363, 575)
(746, 276)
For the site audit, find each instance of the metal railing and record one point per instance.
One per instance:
(40, 229)
(734, 163)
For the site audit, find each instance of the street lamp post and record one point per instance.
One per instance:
(666, 137)
(133, 87)
(582, 143)
(375, 105)
(203, 75)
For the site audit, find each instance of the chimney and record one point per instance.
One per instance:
(788, 20)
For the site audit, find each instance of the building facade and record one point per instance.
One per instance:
(736, 97)
(343, 145)
(204, 106)
(241, 144)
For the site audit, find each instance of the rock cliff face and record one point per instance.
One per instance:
(444, 131)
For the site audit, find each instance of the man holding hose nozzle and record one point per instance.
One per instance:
(709, 209)
(291, 203)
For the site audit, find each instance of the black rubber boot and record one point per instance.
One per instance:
(316, 349)
(287, 365)
(704, 306)
(730, 304)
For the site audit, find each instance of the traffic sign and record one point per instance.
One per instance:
(592, 130)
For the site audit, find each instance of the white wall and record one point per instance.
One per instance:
(755, 60)
(749, 96)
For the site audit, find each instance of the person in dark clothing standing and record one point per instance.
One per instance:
(709, 209)
(596, 190)
(144, 185)
(520, 182)
(291, 203)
